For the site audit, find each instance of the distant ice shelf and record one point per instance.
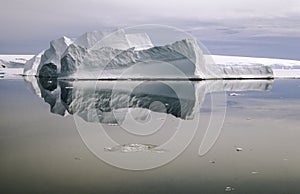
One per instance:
(282, 68)
(13, 64)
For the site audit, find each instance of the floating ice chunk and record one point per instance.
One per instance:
(234, 94)
(133, 147)
(113, 124)
(239, 149)
(229, 188)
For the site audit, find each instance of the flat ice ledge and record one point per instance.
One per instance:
(282, 68)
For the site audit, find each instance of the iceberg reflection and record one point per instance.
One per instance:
(141, 118)
(108, 101)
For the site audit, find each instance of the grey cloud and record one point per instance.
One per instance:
(27, 26)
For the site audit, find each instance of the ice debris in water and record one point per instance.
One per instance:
(134, 147)
(112, 124)
(235, 94)
(229, 188)
(239, 149)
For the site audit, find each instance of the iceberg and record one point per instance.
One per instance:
(122, 55)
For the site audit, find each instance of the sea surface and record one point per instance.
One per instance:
(235, 136)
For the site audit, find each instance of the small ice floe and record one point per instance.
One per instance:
(134, 147)
(239, 149)
(254, 172)
(235, 94)
(229, 188)
(49, 81)
(111, 124)
(69, 87)
(212, 161)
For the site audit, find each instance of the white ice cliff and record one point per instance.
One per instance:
(117, 54)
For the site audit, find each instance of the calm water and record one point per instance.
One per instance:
(149, 136)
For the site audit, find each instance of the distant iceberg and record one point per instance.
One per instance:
(121, 55)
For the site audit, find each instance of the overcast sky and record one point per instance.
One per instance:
(268, 28)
